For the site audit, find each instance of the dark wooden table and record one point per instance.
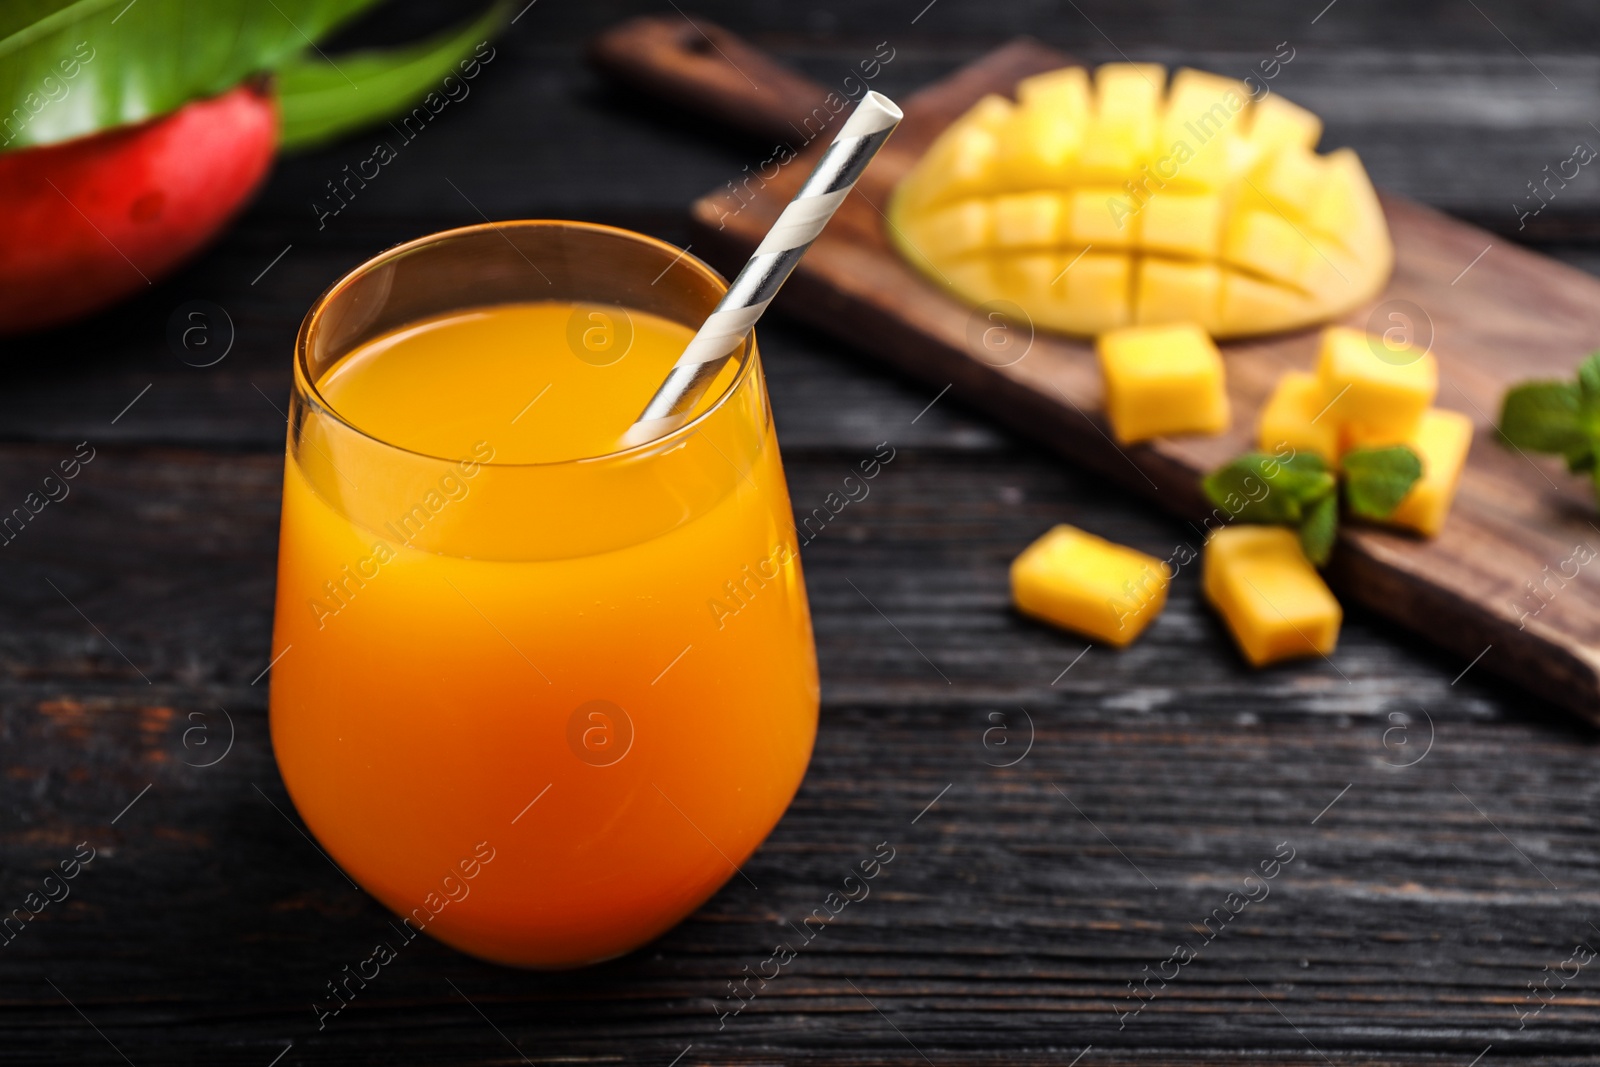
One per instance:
(1442, 827)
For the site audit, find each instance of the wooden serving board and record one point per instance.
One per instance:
(1513, 315)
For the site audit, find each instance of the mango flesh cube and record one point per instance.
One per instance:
(1173, 291)
(1033, 280)
(976, 276)
(1292, 181)
(1038, 150)
(1087, 584)
(1250, 305)
(1123, 129)
(1027, 220)
(1265, 243)
(1270, 596)
(1183, 224)
(1276, 123)
(1091, 219)
(1296, 416)
(1098, 288)
(1064, 91)
(955, 231)
(1200, 108)
(1168, 178)
(1162, 380)
(1347, 209)
(1375, 394)
(992, 113)
(1441, 440)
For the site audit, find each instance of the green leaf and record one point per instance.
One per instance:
(1377, 479)
(1544, 417)
(1258, 487)
(1320, 529)
(73, 67)
(1589, 381)
(319, 101)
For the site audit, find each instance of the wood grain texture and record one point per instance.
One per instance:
(1004, 932)
(1512, 316)
(1404, 933)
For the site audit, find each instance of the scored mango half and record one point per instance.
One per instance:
(1115, 201)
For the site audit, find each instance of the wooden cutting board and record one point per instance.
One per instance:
(1497, 317)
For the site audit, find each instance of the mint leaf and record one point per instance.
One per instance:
(1545, 417)
(1257, 487)
(1589, 382)
(1377, 479)
(1320, 528)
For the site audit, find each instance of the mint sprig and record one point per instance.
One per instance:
(1561, 418)
(1377, 479)
(1301, 491)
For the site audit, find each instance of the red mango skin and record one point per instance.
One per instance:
(86, 222)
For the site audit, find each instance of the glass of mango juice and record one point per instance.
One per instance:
(538, 693)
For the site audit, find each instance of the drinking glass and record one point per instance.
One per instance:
(541, 711)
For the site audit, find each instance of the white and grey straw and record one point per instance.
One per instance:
(868, 127)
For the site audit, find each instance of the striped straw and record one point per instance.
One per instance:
(868, 127)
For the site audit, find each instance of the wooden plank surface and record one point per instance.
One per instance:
(1017, 907)
(1493, 320)
(1404, 932)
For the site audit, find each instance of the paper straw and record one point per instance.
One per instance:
(868, 127)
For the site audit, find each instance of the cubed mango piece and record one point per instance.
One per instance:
(1270, 596)
(1101, 216)
(1265, 243)
(1127, 110)
(1162, 380)
(1347, 209)
(1250, 304)
(1375, 390)
(1039, 150)
(1034, 281)
(1173, 290)
(1276, 123)
(1440, 440)
(954, 231)
(1297, 415)
(1292, 181)
(1084, 583)
(1203, 114)
(1099, 290)
(1027, 220)
(1183, 224)
(1064, 92)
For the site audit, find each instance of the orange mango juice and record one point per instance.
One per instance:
(498, 635)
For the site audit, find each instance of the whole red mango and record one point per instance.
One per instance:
(86, 222)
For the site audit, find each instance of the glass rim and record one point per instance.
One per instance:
(309, 389)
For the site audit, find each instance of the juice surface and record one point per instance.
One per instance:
(616, 730)
(546, 381)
